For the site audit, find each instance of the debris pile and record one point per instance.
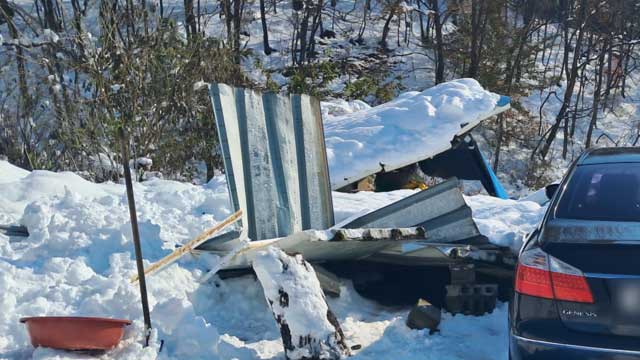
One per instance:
(285, 194)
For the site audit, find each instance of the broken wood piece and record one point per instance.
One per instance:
(188, 247)
(309, 329)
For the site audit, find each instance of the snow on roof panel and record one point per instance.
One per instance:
(413, 127)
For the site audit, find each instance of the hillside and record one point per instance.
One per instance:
(74, 72)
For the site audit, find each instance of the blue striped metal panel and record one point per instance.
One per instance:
(275, 160)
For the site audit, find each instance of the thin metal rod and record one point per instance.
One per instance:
(124, 142)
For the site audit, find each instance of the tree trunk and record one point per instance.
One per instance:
(190, 19)
(571, 81)
(237, 21)
(433, 4)
(302, 36)
(423, 36)
(315, 25)
(596, 95)
(566, 38)
(228, 20)
(265, 30)
(365, 16)
(385, 28)
(478, 25)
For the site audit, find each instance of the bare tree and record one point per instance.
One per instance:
(265, 29)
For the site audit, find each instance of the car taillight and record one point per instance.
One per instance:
(532, 274)
(542, 275)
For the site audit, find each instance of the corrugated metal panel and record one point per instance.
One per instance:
(275, 160)
(441, 210)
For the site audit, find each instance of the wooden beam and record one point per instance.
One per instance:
(309, 329)
(188, 247)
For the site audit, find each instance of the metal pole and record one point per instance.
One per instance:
(136, 235)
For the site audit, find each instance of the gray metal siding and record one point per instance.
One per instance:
(275, 160)
(440, 210)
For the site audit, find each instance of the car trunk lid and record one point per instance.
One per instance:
(613, 274)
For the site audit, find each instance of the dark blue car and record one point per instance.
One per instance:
(577, 287)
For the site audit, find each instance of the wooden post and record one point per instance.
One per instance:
(124, 142)
(309, 329)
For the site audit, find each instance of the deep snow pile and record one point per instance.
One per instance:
(410, 128)
(78, 258)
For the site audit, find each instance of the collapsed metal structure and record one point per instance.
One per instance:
(277, 172)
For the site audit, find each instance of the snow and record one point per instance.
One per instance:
(200, 84)
(505, 222)
(10, 173)
(49, 35)
(410, 128)
(79, 257)
(144, 161)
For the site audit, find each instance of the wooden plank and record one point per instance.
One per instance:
(188, 247)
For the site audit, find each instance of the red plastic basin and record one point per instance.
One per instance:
(75, 333)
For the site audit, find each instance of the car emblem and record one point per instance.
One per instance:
(579, 313)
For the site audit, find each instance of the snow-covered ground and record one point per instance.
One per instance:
(78, 258)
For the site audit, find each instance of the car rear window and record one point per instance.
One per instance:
(606, 192)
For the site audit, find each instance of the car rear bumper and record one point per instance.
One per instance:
(529, 349)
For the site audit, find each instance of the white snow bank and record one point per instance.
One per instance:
(18, 189)
(10, 172)
(383, 334)
(460, 337)
(539, 196)
(78, 258)
(350, 205)
(413, 127)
